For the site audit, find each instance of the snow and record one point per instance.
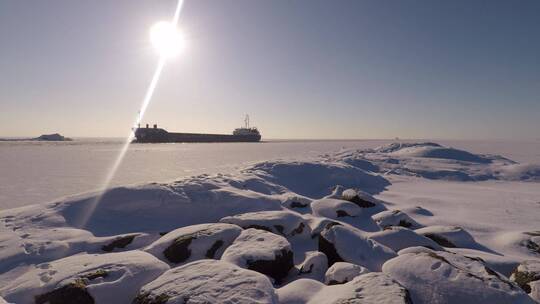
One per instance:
(357, 200)
(367, 288)
(117, 276)
(443, 277)
(210, 281)
(398, 238)
(342, 272)
(449, 236)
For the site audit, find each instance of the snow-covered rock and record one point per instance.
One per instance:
(335, 208)
(208, 281)
(370, 288)
(203, 241)
(314, 266)
(398, 238)
(449, 236)
(527, 276)
(285, 223)
(449, 278)
(347, 244)
(343, 272)
(391, 218)
(363, 200)
(263, 252)
(84, 278)
(299, 291)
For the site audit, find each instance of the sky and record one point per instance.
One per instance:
(464, 69)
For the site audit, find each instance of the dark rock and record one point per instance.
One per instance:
(212, 251)
(121, 242)
(341, 213)
(525, 273)
(179, 251)
(277, 268)
(329, 250)
(440, 240)
(362, 203)
(72, 293)
(148, 298)
(296, 204)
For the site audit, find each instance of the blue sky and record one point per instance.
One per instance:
(302, 69)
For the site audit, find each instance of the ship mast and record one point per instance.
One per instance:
(246, 121)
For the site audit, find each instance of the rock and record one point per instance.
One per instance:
(392, 218)
(208, 281)
(2, 301)
(370, 288)
(334, 208)
(532, 242)
(119, 242)
(527, 276)
(449, 278)
(343, 272)
(285, 223)
(363, 200)
(398, 238)
(52, 137)
(85, 278)
(296, 202)
(263, 252)
(341, 243)
(314, 266)
(190, 243)
(449, 236)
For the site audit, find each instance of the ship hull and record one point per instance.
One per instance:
(151, 135)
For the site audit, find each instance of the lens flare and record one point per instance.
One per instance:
(167, 39)
(166, 31)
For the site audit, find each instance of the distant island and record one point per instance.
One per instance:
(44, 137)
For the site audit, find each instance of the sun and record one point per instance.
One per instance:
(167, 39)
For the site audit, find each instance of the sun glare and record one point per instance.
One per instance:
(167, 39)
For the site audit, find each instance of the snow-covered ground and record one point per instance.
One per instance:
(399, 223)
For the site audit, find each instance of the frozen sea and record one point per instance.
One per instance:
(39, 172)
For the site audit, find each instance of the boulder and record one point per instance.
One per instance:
(85, 278)
(314, 266)
(261, 251)
(398, 238)
(343, 272)
(363, 200)
(285, 223)
(449, 236)
(208, 281)
(532, 242)
(370, 288)
(186, 244)
(527, 276)
(346, 244)
(449, 278)
(335, 208)
(392, 218)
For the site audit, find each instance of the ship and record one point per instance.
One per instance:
(159, 135)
